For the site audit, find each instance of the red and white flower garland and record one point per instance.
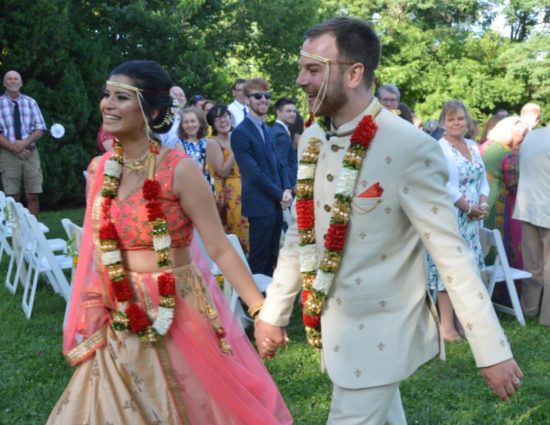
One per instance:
(129, 315)
(317, 277)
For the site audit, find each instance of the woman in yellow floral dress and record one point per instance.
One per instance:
(226, 175)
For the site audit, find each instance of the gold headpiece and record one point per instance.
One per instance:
(137, 91)
(324, 84)
(170, 113)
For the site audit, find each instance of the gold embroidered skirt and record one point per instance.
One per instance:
(190, 377)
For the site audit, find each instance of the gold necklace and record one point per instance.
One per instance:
(134, 165)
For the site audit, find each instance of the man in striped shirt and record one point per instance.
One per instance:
(21, 125)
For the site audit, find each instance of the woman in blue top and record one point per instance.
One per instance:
(192, 133)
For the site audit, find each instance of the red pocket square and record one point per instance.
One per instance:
(375, 191)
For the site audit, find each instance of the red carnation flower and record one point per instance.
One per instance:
(137, 318)
(305, 296)
(151, 189)
(154, 210)
(312, 321)
(106, 205)
(305, 215)
(336, 237)
(107, 232)
(167, 284)
(122, 290)
(364, 132)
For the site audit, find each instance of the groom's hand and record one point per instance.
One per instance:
(269, 338)
(503, 378)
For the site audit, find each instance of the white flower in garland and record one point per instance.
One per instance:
(308, 257)
(306, 171)
(161, 242)
(346, 182)
(113, 168)
(164, 320)
(111, 257)
(323, 281)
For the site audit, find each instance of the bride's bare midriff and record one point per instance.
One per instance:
(146, 261)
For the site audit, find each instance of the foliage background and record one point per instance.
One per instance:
(433, 50)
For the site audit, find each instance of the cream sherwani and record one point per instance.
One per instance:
(377, 325)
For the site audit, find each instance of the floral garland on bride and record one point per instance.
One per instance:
(317, 277)
(129, 315)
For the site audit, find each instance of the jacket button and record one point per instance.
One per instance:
(330, 177)
(327, 208)
(335, 148)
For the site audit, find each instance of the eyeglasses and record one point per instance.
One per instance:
(389, 99)
(260, 94)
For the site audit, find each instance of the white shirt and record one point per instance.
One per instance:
(237, 112)
(284, 125)
(171, 138)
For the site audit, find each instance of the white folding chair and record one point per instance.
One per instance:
(262, 281)
(501, 271)
(22, 244)
(74, 233)
(6, 227)
(41, 259)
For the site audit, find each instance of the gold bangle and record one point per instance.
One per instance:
(255, 308)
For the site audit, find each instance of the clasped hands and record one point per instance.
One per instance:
(19, 149)
(269, 338)
(479, 212)
(286, 199)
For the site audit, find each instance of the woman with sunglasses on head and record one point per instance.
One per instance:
(226, 174)
(147, 326)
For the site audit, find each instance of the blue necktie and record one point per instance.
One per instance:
(17, 121)
(271, 154)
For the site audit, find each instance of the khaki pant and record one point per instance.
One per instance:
(367, 406)
(535, 291)
(16, 171)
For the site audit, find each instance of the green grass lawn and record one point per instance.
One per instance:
(33, 372)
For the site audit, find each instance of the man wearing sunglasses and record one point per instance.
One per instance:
(266, 190)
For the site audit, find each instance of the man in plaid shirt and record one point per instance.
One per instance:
(21, 125)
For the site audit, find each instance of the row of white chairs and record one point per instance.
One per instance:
(262, 281)
(22, 238)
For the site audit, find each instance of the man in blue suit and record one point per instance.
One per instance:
(266, 190)
(286, 115)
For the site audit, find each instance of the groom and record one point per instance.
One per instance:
(378, 324)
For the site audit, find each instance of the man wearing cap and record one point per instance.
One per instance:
(21, 125)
